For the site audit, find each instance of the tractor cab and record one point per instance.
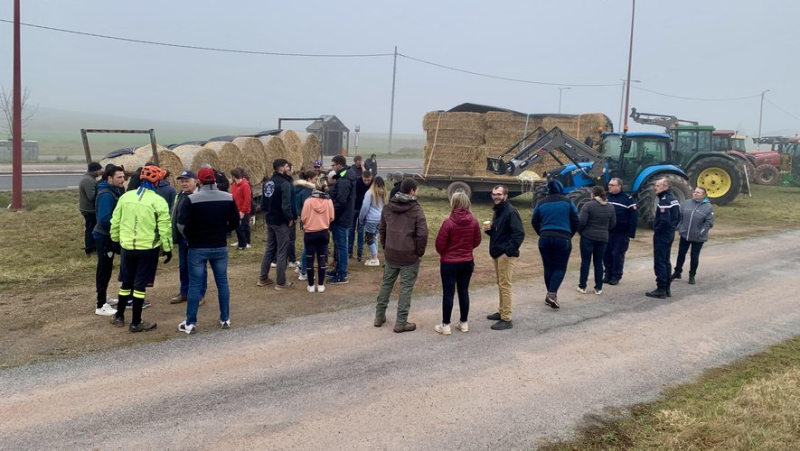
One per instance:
(631, 154)
(690, 139)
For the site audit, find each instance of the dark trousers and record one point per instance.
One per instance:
(683, 247)
(340, 247)
(316, 244)
(555, 257)
(291, 253)
(137, 270)
(614, 258)
(277, 250)
(243, 231)
(592, 253)
(105, 266)
(357, 228)
(89, 221)
(455, 276)
(662, 245)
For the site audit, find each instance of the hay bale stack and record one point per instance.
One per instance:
(580, 126)
(254, 158)
(195, 157)
(168, 160)
(457, 137)
(452, 143)
(498, 120)
(133, 161)
(547, 163)
(275, 148)
(454, 121)
(294, 147)
(229, 155)
(312, 151)
(450, 160)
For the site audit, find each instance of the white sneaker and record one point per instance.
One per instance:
(596, 291)
(463, 327)
(310, 288)
(297, 270)
(225, 324)
(294, 264)
(373, 262)
(112, 301)
(248, 246)
(236, 244)
(581, 290)
(320, 288)
(302, 277)
(443, 329)
(188, 329)
(273, 265)
(105, 310)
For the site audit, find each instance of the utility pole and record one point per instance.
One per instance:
(761, 112)
(391, 111)
(559, 97)
(630, 60)
(16, 146)
(622, 98)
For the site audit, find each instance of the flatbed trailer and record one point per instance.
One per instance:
(476, 188)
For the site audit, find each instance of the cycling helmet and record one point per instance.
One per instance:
(152, 174)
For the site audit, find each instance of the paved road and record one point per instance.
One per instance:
(333, 381)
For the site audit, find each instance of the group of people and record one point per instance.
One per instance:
(351, 206)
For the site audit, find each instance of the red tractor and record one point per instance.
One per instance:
(762, 167)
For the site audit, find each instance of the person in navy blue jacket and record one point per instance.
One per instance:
(555, 220)
(108, 192)
(667, 217)
(620, 236)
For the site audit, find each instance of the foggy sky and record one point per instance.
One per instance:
(704, 49)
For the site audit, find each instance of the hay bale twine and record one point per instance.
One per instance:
(274, 148)
(312, 151)
(230, 156)
(168, 160)
(195, 157)
(254, 158)
(294, 147)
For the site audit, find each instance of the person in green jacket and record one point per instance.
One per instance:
(141, 225)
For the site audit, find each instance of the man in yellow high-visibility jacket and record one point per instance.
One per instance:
(141, 225)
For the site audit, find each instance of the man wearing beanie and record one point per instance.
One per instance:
(205, 218)
(397, 179)
(87, 189)
(276, 203)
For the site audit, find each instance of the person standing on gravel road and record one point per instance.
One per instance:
(697, 218)
(505, 238)
(276, 203)
(667, 217)
(188, 181)
(623, 232)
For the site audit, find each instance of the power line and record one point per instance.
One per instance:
(781, 109)
(695, 98)
(195, 47)
(498, 77)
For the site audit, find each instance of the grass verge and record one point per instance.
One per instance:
(752, 404)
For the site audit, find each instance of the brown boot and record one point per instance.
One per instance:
(177, 299)
(404, 327)
(379, 320)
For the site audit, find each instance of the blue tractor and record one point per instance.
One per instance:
(638, 159)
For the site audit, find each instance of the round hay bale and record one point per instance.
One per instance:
(172, 163)
(294, 148)
(195, 157)
(254, 158)
(312, 151)
(133, 161)
(230, 156)
(274, 148)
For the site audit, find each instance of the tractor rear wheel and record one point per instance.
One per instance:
(458, 187)
(580, 196)
(766, 174)
(538, 194)
(719, 176)
(647, 201)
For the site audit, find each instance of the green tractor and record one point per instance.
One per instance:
(692, 149)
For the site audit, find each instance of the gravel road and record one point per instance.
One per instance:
(333, 381)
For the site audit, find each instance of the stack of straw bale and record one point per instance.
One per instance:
(168, 160)
(254, 158)
(133, 161)
(312, 151)
(274, 148)
(294, 148)
(195, 157)
(453, 143)
(229, 155)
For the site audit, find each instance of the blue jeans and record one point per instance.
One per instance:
(198, 272)
(351, 242)
(340, 244)
(592, 253)
(372, 227)
(555, 257)
(183, 269)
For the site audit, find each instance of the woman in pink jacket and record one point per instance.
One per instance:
(457, 237)
(316, 218)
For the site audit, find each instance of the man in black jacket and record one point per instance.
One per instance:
(276, 203)
(667, 217)
(205, 218)
(620, 236)
(505, 238)
(343, 195)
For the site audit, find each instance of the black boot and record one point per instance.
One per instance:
(669, 293)
(676, 275)
(606, 279)
(691, 279)
(658, 293)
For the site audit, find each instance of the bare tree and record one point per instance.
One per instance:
(7, 107)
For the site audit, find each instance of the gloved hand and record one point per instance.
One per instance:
(168, 258)
(116, 248)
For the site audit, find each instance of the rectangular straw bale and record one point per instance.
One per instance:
(545, 164)
(456, 137)
(448, 160)
(580, 126)
(453, 121)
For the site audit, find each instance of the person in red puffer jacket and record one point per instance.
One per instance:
(457, 237)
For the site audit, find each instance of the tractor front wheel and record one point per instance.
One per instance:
(719, 176)
(647, 200)
(766, 174)
(579, 196)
